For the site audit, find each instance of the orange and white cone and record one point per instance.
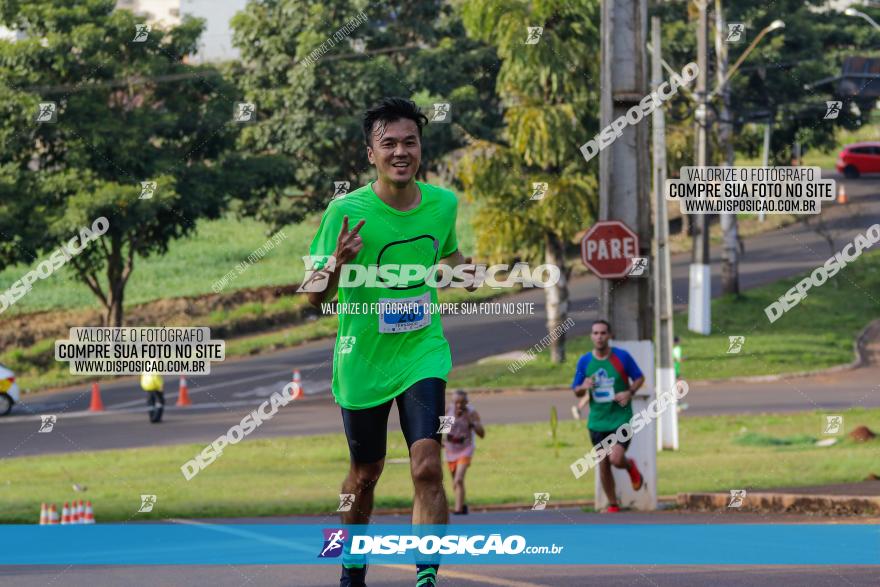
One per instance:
(96, 405)
(841, 194)
(89, 514)
(53, 514)
(80, 513)
(183, 396)
(65, 514)
(297, 391)
(44, 514)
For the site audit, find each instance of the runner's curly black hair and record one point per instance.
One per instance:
(390, 110)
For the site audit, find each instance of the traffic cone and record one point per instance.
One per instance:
(65, 514)
(53, 514)
(89, 514)
(297, 385)
(183, 396)
(44, 514)
(79, 516)
(97, 405)
(841, 194)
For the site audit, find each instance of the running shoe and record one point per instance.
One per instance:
(426, 576)
(613, 509)
(635, 476)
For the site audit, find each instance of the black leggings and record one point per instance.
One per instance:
(419, 407)
(156, 401)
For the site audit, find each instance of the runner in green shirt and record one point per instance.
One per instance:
(389, 345)
(611, 376)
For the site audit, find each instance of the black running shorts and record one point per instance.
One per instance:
(419, 408)
(598, 436)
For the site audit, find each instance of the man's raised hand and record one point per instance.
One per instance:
(348, 243)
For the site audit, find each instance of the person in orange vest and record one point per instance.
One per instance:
(151, 382)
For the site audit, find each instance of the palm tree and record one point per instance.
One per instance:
(549, 90)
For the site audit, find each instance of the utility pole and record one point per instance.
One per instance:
(624, 175)
(624, 195)
(700, 291)
(729, 224)
(668, 429)
(768, 130)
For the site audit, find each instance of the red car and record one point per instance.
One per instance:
(859, 158)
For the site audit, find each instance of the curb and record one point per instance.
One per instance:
(831, 505)
(859, 350)
(665, 499)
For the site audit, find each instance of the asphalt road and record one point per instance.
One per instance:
(237, 386)
(450, 576)
(472, 575)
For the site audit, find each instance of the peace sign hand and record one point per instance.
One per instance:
(348, 243)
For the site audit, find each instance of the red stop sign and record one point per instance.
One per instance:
(608, 248)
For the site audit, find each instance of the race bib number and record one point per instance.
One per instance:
(603, 396)
(603, 392)
(404, 314)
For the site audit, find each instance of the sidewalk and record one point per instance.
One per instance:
(844, 499)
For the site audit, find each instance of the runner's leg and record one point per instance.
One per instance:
(420, 408)
(458, 485)
(608, 481)
(618, 457)
(619, 460)
(367, 433)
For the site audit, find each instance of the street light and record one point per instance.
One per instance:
(854, 12)
(776, 24)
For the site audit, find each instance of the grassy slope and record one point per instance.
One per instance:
(303, 474)
(194, 264)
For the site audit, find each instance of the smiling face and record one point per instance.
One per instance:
(396, 151)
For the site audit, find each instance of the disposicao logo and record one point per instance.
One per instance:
(334, 540)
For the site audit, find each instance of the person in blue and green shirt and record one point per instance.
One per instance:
(611, 377)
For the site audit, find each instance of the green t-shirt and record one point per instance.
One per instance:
(607, 415)
(379, 355)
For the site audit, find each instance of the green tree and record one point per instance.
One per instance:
(772, 82)
(549, 89)
(776, 85)
(310, 109)
(127, 112)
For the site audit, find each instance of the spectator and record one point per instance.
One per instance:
(460, 444)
